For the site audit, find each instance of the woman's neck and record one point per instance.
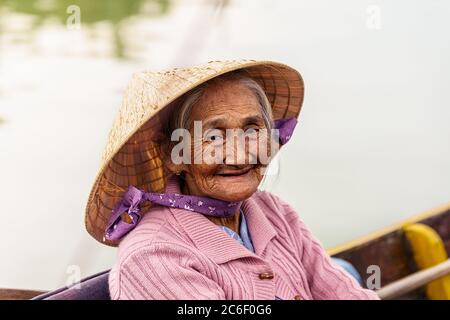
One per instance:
(232, 222)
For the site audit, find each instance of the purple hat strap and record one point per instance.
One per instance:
(126, 215)
(286, 128)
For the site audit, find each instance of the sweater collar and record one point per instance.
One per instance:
(215, 243)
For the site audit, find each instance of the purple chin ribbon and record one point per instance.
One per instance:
(126, 215)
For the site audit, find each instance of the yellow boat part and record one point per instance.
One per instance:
(429, 250)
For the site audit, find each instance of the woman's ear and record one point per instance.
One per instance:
(165, 152)
(174, 168)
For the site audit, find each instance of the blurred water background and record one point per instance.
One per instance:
(372, 147)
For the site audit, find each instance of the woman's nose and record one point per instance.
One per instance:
(237, 149)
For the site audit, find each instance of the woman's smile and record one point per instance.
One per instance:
(242, 172)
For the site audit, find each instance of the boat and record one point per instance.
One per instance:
(403, 250)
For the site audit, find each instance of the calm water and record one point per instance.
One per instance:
(372, 147)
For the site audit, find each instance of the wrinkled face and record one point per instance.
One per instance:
(231, 119)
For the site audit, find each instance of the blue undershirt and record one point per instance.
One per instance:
(244, 237)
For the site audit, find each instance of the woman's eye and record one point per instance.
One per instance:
(213, 136)
(252, 132)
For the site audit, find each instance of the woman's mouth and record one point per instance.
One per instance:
(235, 172)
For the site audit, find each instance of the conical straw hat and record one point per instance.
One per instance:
(131, 155)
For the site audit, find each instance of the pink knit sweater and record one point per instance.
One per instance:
(179, 254)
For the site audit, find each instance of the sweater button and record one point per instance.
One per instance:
(266, 275)
(297, 297)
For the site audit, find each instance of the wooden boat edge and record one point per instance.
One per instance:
(386, 230)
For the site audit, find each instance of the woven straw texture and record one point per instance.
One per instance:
(131, 156)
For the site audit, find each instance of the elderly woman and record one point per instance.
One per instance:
(184, 206)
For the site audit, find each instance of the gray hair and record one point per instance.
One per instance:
(181, 116)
